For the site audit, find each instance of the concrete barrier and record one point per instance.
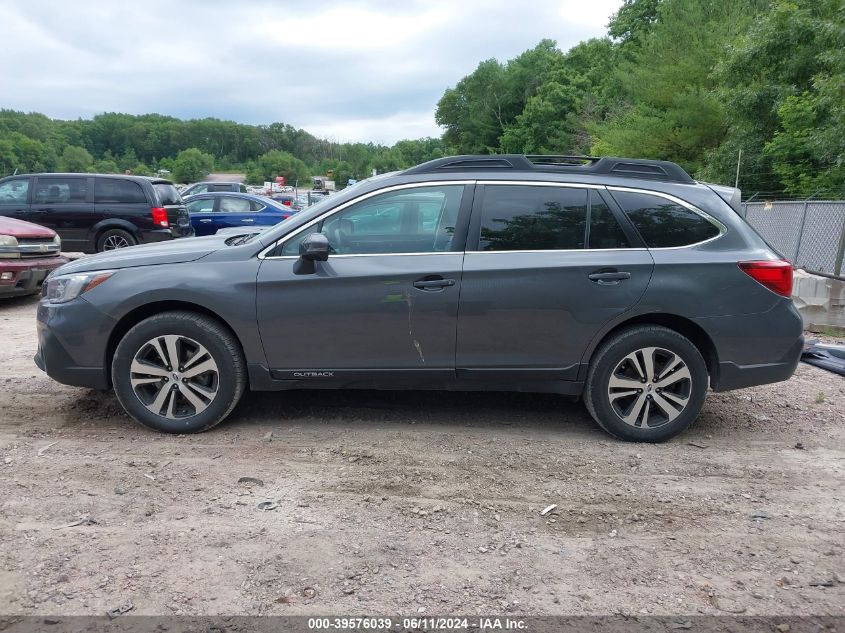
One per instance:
(820, 300)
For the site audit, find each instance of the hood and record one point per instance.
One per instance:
(19, 228)
(177, 251)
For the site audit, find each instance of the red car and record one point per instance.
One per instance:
(28, 253)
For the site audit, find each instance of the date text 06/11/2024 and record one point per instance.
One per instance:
(374, 624)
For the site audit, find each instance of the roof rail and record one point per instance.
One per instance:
(554, 163)
(560, 159)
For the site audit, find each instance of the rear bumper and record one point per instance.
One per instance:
(755, 349)
(150, 236)
(27, 274)
(182, 231)
(734, 376)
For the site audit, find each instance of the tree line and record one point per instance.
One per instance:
(722, 87)
(189, 149)
(691, 81)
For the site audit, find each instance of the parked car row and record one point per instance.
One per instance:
(97, 212)
(93, 212)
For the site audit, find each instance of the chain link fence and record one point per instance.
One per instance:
(811, 234)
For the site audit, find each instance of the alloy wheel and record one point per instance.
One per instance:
(113, 242)
(174, 376)
(650, 387)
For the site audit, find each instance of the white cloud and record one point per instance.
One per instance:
(398, 126)
(360, 70)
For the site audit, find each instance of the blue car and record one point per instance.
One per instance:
(212, 211)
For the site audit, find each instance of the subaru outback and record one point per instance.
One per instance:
(620, 281)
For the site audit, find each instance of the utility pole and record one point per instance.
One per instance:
(738, 160)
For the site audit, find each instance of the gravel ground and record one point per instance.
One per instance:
(409, 503)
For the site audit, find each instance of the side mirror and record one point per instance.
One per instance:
(315, 247)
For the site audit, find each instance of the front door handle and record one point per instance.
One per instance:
(433, 283)
(248, 220)
(609, 277)
(205, 220)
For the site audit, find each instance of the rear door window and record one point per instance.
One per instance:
(230, 204)
(663, 223)
(59, 190)
(118, 191)
(528, 218)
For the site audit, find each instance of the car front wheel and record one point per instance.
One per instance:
(179, 372)
(646, 384)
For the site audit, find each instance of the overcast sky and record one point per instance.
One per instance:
(371, 70)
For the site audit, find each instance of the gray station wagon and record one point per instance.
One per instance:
(622, 281)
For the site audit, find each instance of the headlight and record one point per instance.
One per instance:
(9, 247)
(63, 288)
(57, 241)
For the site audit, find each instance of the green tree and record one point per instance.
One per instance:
(106, 166)
(781, 86)
(632, 23)
(75, 159)
(554, 119)
(191, 165)
(478, 110)
(31, 155)
(9, 161)
(277, 163)
(672, 110)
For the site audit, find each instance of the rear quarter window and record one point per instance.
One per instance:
(168, 195)
(663, 223)
(117, 191)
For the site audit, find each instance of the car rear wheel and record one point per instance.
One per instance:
(179, 372)
(646, 384)
(113, 239)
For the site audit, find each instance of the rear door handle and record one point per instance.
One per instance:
(427, 283)
(609, 277)
(205, 220)
(248, 220)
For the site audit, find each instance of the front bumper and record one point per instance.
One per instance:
(72, 343)
(27, 274)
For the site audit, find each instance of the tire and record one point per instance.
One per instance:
(190, 397)
(114, 239)
(671, 398)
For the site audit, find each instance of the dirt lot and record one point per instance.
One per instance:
(403, 503)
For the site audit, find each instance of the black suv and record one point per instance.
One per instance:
(95, 212)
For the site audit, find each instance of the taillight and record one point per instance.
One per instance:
(160, 217)
(775, 274)
(287, 203)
